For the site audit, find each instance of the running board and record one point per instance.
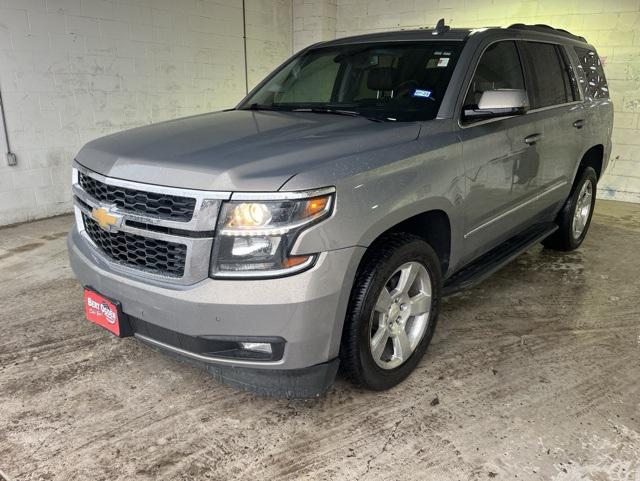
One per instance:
(497, 258)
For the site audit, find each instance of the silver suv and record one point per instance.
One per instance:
(320, 222)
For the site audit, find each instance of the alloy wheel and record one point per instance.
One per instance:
(401, 315)
(582, 211)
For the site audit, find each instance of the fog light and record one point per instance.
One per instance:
(264, 347)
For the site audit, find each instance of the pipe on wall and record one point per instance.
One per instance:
(11, 157)
(244, 44)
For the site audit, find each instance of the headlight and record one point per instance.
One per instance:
(255, 235)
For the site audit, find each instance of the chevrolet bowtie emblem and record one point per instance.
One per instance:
(106, 219)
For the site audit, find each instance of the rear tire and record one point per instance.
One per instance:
(575, 217)
(392, 312)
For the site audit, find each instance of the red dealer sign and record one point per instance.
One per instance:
(101, 311)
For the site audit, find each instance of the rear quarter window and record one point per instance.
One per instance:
(593, 80)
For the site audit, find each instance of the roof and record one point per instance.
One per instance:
(454, 34)
(450, 34)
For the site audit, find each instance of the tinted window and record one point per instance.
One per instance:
(596, 83)
(401, 81)
(573, 92)
(550, 82)
(499, 68)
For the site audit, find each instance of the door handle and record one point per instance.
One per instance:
(578, 124)
(532, 139)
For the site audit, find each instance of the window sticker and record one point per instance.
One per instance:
(443, 61)
(422, 93)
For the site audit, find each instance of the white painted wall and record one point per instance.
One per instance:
(613, 26)
(74, 70)
(313, 21)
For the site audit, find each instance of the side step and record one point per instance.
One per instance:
(497, 258)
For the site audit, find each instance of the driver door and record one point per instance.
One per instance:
(500, 161)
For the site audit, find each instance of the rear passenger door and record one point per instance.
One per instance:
(557, 117)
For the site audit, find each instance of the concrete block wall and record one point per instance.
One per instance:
(613, 26)
(313, 21)
(74, 70)
(269, 36)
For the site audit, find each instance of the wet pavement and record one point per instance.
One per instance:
(533, 375)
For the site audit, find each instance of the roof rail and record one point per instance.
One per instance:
(547, 29)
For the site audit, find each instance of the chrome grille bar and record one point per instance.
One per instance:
(204, 215)
(198, 246)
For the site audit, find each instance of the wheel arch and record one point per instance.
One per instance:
(434, 226)
(593, 157)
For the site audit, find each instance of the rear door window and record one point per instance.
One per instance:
(573, 91)
(596, 83)
(549, 80)
(499, 68)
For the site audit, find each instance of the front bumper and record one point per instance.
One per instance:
(306, 310)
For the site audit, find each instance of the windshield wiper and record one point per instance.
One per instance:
(327, 110)
(315, 110)
(257, 106)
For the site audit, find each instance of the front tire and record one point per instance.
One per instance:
(392, 312)
(575, 217)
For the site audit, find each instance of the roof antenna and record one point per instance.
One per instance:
(441, 27)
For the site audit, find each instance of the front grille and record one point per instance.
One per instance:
(152, 255)
(162, 206)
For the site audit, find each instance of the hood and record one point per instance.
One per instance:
(237, 150)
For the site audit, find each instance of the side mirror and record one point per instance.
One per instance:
(498, 103)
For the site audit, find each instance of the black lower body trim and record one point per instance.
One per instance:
(227, 347)
(308, 382)
(481, 268)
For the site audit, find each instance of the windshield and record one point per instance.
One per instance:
(382, 81)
